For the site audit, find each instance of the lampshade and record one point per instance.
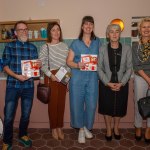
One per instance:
(119, 22)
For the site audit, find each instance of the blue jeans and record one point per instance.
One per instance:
(11, 103)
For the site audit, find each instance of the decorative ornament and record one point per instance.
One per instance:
(118, 22)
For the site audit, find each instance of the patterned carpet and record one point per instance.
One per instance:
(42, 140)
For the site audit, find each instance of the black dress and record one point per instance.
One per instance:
(113, 103)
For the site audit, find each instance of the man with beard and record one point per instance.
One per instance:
(18, 85)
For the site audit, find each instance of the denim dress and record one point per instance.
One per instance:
(83, 87)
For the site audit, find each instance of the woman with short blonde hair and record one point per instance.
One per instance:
(141, 65)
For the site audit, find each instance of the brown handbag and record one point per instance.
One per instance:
(43, 89)
(43, 93)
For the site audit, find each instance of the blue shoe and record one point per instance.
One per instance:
(26, 141)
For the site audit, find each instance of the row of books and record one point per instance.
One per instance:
(30, 68)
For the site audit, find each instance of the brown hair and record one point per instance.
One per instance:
(87, 19)
(19, 22)
(49, 27)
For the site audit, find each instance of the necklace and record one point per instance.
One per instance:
(143, 51)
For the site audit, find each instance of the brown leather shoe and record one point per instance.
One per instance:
(6, 146)
(138, 134)
(60, 134)
(55, 134)
(147, 135)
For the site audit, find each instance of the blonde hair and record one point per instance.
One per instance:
(146, 19)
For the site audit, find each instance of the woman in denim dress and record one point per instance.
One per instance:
(83, 84)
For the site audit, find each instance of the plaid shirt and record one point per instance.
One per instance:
(13, 53)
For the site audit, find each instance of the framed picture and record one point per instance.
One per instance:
(134, 28)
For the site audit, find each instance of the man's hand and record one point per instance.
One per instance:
(22, 78)
(18, 77)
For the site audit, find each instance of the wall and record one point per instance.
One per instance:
(70, 13)
(39, 114)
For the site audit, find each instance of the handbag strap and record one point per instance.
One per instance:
(48, 62)
(48, 56)
(147, 92)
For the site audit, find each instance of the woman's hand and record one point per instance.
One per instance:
(115, 86)
(54, 78)
(81, 65)
(148, 81)
(39, 63)
(144, 76)
(112, 86)
(71, 63)
(118, 86)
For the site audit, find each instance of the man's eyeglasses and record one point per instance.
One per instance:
(22, 30)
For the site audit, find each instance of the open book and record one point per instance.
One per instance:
(90, 62)
(63, 75)
(30, 68)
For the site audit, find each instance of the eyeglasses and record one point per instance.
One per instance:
(22, 30)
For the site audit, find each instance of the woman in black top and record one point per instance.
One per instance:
(114, 68)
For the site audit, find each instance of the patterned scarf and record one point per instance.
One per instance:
(143, 51)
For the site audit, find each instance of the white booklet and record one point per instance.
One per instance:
(63, 75)
(90, 62)
(1, 128)
(30, 68)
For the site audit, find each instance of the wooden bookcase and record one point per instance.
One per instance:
(32, 26)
